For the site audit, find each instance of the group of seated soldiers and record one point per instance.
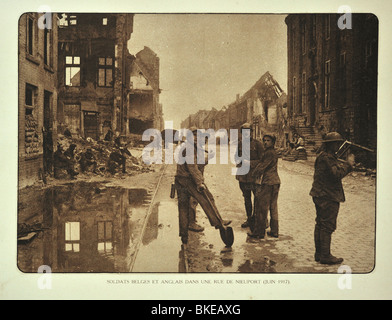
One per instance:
(67, 160)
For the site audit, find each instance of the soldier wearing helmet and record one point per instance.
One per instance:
(327, 192)
(247, 182)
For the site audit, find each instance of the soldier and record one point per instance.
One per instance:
(327, 192)
(189, 182)
(267, 190)
(247, 182)
(87, 160)
(61, 161)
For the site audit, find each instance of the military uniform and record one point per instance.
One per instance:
(327, 193)
(248, 181)
(267, 190)
(189, 177)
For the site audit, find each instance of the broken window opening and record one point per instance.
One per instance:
(67, 20)
(73, 21)
(48, 59)
(63, 21)
(30, 35)
(105, 72)
(30, 95)
(72, 71)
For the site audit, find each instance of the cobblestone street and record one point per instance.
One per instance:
(354, 239)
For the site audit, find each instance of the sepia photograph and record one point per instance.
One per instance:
(197, 142)
(195, 158)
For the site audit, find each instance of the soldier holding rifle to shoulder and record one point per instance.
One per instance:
(327, 192)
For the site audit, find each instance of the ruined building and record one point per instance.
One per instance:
(92, 78)
(264, 105)
(332, 76)
(144, 109)
(37, 98)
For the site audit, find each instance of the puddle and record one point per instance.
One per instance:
(160, 241)
(83, 227)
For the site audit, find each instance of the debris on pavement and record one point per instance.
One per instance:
(105, 158)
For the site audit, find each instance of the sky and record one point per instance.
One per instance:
(207, 59)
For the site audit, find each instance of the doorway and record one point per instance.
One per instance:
(91, 125)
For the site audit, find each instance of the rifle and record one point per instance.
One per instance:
(346, 145)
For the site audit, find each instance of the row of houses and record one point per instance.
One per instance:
(264, 105)
(331, 84)
(77, 74)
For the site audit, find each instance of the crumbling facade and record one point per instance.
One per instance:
(264, 105)
(92, 77)
(37, 99)
(144, 109)
(332, 76)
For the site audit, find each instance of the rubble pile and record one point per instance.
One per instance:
(102, 153)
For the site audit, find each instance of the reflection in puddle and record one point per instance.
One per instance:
(84, 227)
(160, 241)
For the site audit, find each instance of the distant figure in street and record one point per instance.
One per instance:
(247, 182)
(299, 142)
(267, 190)
(189, 182)
(299, 147)
(88, 160)
(327, 192)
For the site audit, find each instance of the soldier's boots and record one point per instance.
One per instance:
(330, 260)
(325, 250)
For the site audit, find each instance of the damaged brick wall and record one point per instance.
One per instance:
(37, 78)
(32, 140)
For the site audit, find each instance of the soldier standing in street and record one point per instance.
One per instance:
(247, 182)
(327, 192)
(267, 190)
(189, 183)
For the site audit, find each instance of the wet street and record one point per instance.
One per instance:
(131, 225)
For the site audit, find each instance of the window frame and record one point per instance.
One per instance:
(72, 242)
(48, 47)
(31, 39)
(107, 236)
(105, 67)
(70, 66)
